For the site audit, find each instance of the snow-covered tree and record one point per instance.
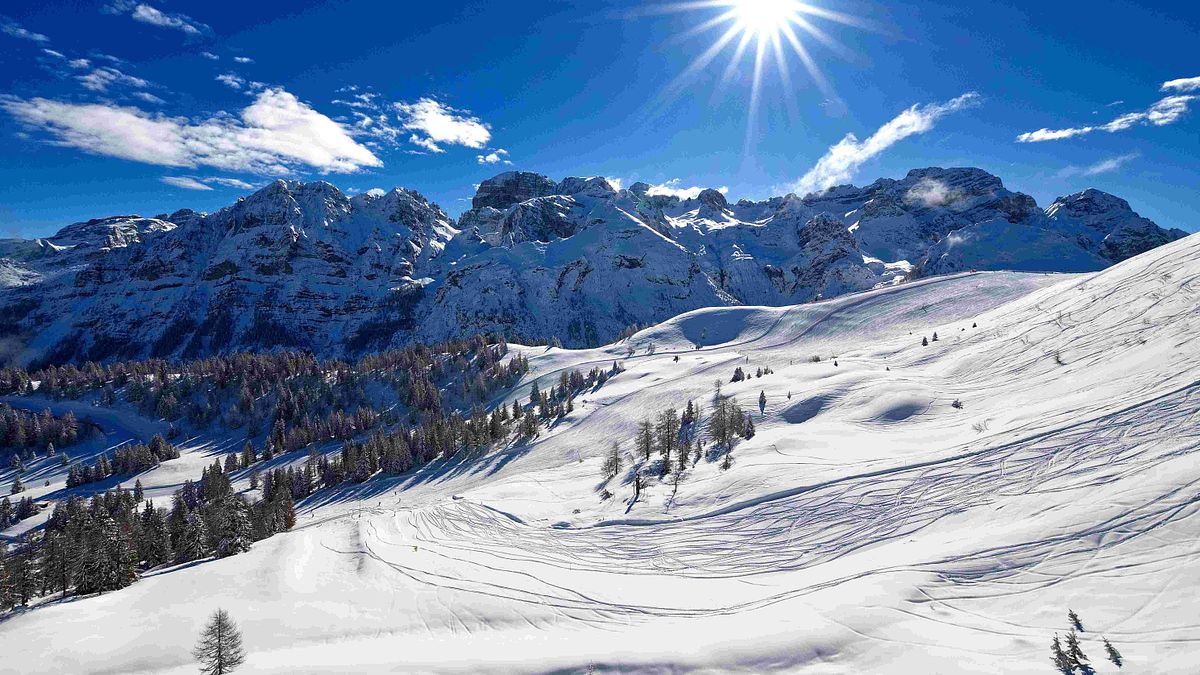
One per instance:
(1113, 654)
(235, 534)
(193, 540)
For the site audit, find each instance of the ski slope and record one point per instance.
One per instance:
(869, 526)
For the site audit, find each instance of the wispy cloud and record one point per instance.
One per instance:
(1103, 166)
(673, 189)
(1182, 84)
(147, 97)
(185, 183)
(140, 11)
(210, 56)
(435, 124)
(842, 160)
(205, 183)
(14, 29)
(1167, 110)
(497, 156)
(243, 59)
(100, 79)
(274, 135)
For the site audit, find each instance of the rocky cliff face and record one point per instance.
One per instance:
(302, 265)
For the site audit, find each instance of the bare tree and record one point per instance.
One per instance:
(612, 462)
(219, 650)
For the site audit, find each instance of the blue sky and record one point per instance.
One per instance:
(126, 107)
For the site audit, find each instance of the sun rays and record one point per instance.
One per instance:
(767, 33)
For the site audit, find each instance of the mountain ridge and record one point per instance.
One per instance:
(305, 266)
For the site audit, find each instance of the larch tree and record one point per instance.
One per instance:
(219, 650)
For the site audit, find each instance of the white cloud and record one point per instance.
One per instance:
(210, 56)
(1167, 110)
(931, 192)
(435, 124)
(231, 80)
(1103, 166)
(51, 52)
(79, 63)
(243, 59)
(205, 183)
(672, 189)
(274, 135)
(376, 192)
(1182, 84)
(14, 29)
(842, 160)
(153, 16)
(184, 183)
(497, 156)
(100, 79)
(230, 182)
(147, 97)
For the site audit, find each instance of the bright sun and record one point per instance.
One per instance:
(763, 16)
(771, 30)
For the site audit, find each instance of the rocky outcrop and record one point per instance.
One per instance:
(511, 187)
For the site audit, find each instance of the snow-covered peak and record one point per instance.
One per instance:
(512, 187)
(106, 233)
(1090, 204)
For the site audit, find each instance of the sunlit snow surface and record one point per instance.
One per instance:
(868, 527)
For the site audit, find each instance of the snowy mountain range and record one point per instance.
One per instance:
(303, 265)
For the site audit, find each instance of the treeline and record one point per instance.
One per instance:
(98, 545)
(445, 436)
(292, 396)
(21, 429)
(127, 460)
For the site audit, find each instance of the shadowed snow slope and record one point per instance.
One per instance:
(870, 525)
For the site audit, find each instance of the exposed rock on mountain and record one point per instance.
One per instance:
(301, 265)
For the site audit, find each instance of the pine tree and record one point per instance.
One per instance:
(1079, 660)
(749, 432)
(17, 486)
(1059, 658)
(219, 650)
(249, 455)
(1072, 617)
(762, 401)
(139, 494)
(235, 534)
(924, 342)
(193, 540)
(1113, 654)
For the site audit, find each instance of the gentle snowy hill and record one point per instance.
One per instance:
(303, 266)
(902, 508)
